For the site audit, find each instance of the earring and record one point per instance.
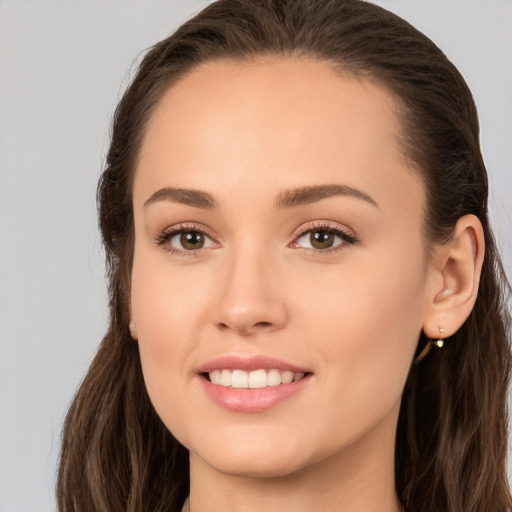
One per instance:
(430, 344)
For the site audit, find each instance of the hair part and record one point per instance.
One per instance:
(452, 428)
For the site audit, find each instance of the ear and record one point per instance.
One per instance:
(456, 269)
(133, 327)
(128, 301)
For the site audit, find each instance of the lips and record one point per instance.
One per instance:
(251, 384)
(250, 363)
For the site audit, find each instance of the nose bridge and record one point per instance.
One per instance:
(250, 298)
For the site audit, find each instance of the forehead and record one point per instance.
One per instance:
(276, 122)
(285, 98)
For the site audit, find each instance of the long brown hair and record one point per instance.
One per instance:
(452, 429)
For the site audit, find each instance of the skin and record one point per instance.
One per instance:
(244, 133)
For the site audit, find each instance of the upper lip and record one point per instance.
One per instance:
(248, 364)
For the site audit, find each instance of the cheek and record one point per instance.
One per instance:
(365, 320)
(167, 309)
(167, 302)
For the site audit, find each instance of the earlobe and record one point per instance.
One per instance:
(133, 329)
(131, 324)
(457, 274)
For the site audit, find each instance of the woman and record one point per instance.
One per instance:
(306, 301)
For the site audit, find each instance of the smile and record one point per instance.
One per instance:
(256, 379)
(252, 384)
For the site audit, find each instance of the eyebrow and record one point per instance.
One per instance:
(287, 199)
(196, 198)
(312, 194)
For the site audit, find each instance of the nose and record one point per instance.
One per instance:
(251, 298)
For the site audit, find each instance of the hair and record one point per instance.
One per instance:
(451, 440)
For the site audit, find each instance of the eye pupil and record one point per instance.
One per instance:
(321, 239)
(191, 240)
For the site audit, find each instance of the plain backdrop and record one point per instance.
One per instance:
(63, 67)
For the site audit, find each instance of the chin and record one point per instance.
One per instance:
(251, 457)
(254, 467)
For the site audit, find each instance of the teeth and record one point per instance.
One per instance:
(257, 379)
(225, 378)
(215, 376)
(253, 380)
(273, 378)
(287, 377)
(239, 379)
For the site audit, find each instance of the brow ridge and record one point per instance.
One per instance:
(287, 199)
(197, 198)
(311, 194)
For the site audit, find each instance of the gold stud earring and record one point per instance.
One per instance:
(429, 345)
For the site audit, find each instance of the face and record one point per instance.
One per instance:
(280, 273)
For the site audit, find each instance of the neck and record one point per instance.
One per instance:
(359, 478)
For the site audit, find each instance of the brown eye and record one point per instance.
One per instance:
(191, 240)
(185, 240)
(321, 239)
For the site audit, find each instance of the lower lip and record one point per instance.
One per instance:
(252, 400)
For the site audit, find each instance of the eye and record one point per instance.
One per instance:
(181, 239)
(323, 238)
(190, 240)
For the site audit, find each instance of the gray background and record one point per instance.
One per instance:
(63, 66)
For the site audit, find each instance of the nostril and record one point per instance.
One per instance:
(244, 329)
(262, 324)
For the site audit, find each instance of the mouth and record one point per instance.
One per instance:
(255, 379)
(252, 384)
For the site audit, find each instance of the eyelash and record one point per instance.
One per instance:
(165, 236)
(347, 238)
